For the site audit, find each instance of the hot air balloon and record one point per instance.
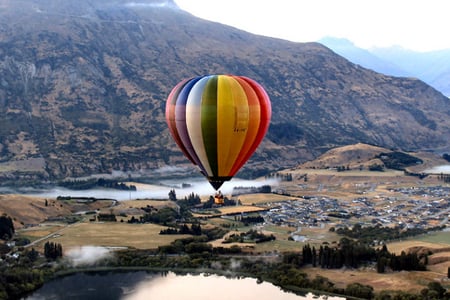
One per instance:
(218, 121)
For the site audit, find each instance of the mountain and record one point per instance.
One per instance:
(83, 85)
(432, 67)
(363, 57)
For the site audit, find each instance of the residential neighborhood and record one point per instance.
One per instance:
(414, 207)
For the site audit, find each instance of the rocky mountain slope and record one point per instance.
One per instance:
(83, 85)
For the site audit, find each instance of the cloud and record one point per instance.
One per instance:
(235, 264)
(87, 255)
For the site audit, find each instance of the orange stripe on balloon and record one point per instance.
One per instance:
(253, 125)
(265, 115)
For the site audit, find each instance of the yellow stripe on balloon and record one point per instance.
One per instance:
(232, 122)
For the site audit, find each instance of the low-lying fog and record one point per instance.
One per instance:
(86, 255)
(198, 186)
(182, 186)
(444, 169)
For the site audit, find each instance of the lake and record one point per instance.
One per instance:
(140, 285)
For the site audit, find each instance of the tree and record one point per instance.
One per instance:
(32, 254)
(164, 216)
(381, 264)
(184, 229)
(446, 156)
(359, 290)
(196, 229)
(307, 254)
(209, 203)
(376, 167)
(265, 189)
(314, 257)
(437, 288)
(52, 251)
(6, 227)
(191, 200)
(292, 258)
(172, 195)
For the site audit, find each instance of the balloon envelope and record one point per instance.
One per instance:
(218, 121)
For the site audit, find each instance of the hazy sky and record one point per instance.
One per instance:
(420, 25)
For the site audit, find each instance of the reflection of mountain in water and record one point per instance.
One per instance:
(143, 285)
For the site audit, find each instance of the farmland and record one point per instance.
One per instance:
(142, 236)
(296, 213)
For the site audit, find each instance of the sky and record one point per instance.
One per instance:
(419, 25)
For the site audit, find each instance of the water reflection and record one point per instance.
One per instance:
(144, 286)
(91, 286)
(174, 287)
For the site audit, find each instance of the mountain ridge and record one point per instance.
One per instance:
(433, 67)
(84, 93)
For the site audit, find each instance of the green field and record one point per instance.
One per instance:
(441, 237)
(113, 234)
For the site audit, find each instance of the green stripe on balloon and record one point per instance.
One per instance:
(209, 123)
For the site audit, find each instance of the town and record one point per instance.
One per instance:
(406, 207)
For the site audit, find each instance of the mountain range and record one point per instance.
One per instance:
(433, 67)
(83, 85)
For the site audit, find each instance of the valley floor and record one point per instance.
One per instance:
(389, 198)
